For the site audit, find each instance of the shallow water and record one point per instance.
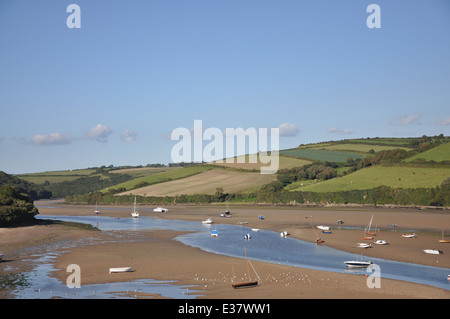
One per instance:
(264, 246)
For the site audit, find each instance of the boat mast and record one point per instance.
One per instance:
(248, 268)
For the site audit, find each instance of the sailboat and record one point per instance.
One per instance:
(96, 210)
(249, 283)
(318, 240)
(442, 241)
(134, 213)
(368, 228)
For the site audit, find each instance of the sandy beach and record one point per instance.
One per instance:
(155, 255)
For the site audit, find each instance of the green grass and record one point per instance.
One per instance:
(321, 155)
(169, 175)
(359, 148)
(438, 154)
(56, 176)
(371, 177)
(142, 171)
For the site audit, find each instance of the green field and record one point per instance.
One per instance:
(321, 155)
(371, 177)
(358, 148)
(56, 176)
(283, 162)
(438, 154)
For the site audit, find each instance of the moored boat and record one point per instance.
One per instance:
(409, 235)
(248, 284)
(358, 263)
(380, 242)
(134, 213)
(214, 233)
(208, 221)
(364, 245)
(433, 251)
(443, 241)
(322, 227)
(120, 269)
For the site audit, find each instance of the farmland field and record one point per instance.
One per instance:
(359, 148)
(438, 154)
(371, 177)
(284, 162)
(206, 183)
(173, 174)
(56, 176)
(321, 155)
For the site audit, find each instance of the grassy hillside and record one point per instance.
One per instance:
(438, 154)
(56, 176)
(321, 154)
(371, 177)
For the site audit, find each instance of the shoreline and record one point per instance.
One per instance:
(158, 256)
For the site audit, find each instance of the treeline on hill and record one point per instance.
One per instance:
(86, 184)
(15, 207)
(23, 186)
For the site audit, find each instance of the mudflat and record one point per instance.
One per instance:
(154, 254)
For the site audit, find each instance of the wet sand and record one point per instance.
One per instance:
(155, 255)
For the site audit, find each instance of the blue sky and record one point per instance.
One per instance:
(112, 91)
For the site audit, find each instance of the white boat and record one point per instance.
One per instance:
(134, 213)
(322, 227)
(160, 210)
(248, 236)
(96, 211)
(409, 235)
(358, 263)
(120, 269)
(284, 234)
(208, 221)
(433, 251)
(364, 245)
(255, 229)
(380, 242)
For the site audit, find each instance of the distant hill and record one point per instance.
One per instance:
(420, 166)
(23, 186)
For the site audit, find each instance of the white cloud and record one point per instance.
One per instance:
(287, 129)
(406, 119)
(129, 136)
(99, 133)
(335, 130)
(443, 122)
(54, 138)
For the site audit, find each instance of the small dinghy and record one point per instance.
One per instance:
(433, 251)
(357, 263)
(380, 242)
(248, 236)
(208, 221)
(120, 269)
(284, 234)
